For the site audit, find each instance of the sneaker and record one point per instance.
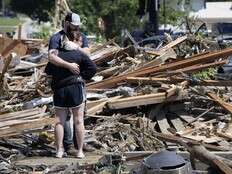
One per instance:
(88, 148)
(80, 155)
(71, 151)
(60, 153)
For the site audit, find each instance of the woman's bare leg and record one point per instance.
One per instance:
(59, 128)
(78, 118)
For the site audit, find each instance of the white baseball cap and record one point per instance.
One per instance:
(73, 18)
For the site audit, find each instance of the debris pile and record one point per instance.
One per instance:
(141, 99)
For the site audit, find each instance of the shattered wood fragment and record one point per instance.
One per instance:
(147, 99)
(101, 105)
(226, 106)
(5, 67)
(195, 68)
(12, 46)
(173, 43)
(175, 80)
(181, 140)
(201, 153)
(23, 128)
(161, 59)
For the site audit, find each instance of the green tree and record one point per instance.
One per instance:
(116, 14)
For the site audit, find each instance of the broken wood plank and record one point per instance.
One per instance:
(5, 67)
(147, 99)
(25, 127)
(101, 105)
(175, 80)
(226, 106)
(205, 156)
(176, 122)
(195, 68)
(170, 53)
(10, 46)
(173, 43)
(177, 139)
(162, 121)
(201, 115)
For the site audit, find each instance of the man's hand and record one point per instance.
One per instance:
(74, 68)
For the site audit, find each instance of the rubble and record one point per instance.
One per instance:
(148, 100)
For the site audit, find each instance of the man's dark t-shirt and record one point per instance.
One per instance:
(87, 67)
(55, 41)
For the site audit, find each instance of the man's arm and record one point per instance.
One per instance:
(54, 59)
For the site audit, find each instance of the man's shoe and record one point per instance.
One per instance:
(71, 151)
(88, 148)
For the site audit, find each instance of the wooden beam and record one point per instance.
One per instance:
(21, 128)
(178, 139)
(101, 105)
(147, 99)
(173, 43)
(226, 106)
(175, 80)
(194, 68)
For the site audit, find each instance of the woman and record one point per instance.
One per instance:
(69, 92)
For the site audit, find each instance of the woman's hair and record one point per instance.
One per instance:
(75, 35)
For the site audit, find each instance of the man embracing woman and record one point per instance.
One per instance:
(68, 83)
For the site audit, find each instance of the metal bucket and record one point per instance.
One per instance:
(166, 162)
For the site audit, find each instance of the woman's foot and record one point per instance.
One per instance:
(60, 153)
(80, 154)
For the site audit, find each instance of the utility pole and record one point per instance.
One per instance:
(57, 10)
(153, 15)
(3, 7)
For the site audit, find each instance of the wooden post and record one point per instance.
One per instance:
(19, 32)
(57, 10)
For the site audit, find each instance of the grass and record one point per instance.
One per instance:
(6, 21)
(8, 24)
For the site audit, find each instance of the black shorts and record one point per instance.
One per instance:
(69, 96)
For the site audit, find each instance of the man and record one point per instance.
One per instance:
(71, 23)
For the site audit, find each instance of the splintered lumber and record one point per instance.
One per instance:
(176, 122)
(195, 68)
(8, 46)
(112, 53)
(174, 80)
(170, 53)
(146, 99)
(181, 140)
(159, 114)
(102, 54)
(110, 71)
(202, 154)
(21, 114)
(100, 106)
(5, 67)
(173, 43)
(168, 46)
(199, 116)
(226, 106)
(94, 49)
(205, 58)
(23, 128)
